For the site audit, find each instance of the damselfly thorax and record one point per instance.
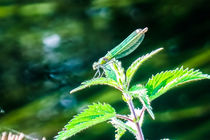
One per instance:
(126, 47)
(102, 62)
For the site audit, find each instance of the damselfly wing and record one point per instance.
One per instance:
(126, 47)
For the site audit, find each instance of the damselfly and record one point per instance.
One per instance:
(126, 47)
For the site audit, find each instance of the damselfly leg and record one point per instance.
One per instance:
(98, 73)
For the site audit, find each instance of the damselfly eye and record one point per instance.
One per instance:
(95, 65)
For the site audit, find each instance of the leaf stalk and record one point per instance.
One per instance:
(124, 117)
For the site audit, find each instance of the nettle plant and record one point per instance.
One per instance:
(115, 76)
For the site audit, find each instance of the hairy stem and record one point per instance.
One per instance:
(139, 134)
(124, 117)
(142, 111)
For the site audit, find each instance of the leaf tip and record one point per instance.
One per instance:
(152, 116)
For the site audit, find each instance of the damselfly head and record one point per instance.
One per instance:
(95, 65)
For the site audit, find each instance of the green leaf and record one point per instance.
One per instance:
(96, 81)
(140, 92)
(109, 73)
(144, 99)
(136, 64)
(119, 132)
(137, 89)
(94, 114)
(116, 72)
(120, 124)
(162, 82)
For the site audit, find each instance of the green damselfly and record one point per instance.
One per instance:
(126, 47)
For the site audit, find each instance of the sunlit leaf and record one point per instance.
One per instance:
(96, 81)
(137, 89)
(118, 123)
(144, 99)
(119, 132)
(109, 73)
(116, 72)
(162, 82)
(140, 92)
(136, 64)
(94, 114)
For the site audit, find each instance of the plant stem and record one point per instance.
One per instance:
(139, 134)
(124, 117)
(142, 112)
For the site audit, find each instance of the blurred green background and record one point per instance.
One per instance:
(47, 47)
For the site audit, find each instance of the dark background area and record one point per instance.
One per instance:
(48, 47)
